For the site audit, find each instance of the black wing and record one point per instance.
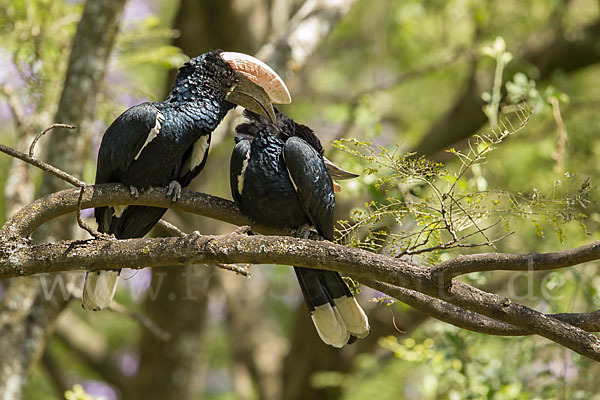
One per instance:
(194, 160)
(237, 168)
(312, 182)
(124, 139)
(121, 145)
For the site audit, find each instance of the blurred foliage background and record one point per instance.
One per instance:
(409, 76)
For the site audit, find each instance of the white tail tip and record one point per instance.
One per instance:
(99, 289)
(354, 317)
(330, 325)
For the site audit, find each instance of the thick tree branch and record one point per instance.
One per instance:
(447, 312)
(461, 265)
(235, 248)
(22, 258)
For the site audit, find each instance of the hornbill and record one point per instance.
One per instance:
(166, 143)
(279, 178)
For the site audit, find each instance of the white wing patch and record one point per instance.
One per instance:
(153, 132)
(118, 210)
(199, 151)
(290, 175)
(240, 185)
(292, 179)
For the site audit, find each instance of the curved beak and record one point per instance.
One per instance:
(337, 172)
(259, 86)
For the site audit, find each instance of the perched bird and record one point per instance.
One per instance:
(166, 143)
(279, 178)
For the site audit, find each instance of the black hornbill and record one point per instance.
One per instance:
(279, 178)
(166, 143)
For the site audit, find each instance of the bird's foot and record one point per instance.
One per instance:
(104, 236)
(174, 191)
(243, 230)
(303, 233)
(196, 235)
(134, 192)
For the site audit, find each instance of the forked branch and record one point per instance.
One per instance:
(431, 290)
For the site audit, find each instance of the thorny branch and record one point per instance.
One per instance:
(26, 259)
(430, 290)
(443, 214)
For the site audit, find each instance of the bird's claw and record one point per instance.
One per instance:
(303, 233)
(104, 236)
(243, 230)
(174, 191)
(134, 191)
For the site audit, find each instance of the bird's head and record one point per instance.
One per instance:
(235, 78)
(284, 128)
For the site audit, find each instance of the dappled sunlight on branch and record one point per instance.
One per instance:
(412, 283)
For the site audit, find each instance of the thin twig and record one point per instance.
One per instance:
(42, 133)
(94, 233)
(241, 269)
(170, 228)
(455, 242)
(142, 319)
(469, 216)
(42, 165)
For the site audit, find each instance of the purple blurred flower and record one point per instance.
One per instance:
(138, 282)
(8, 71)
(129, 362)
(137, 10)
(5, 113)
(100, 389)
(118, 86)
(130, 99)
(217, 308)
(218, 380)
(87, 213)
(563, 368)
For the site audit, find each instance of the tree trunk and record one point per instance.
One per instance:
(27, 315)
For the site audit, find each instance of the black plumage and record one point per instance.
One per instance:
(153, 144)
(163, 144)
(279, 178)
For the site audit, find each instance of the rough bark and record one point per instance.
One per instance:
(238, 22)
(174, 371)
(90, 52)
(27, 316)
(18, 257)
